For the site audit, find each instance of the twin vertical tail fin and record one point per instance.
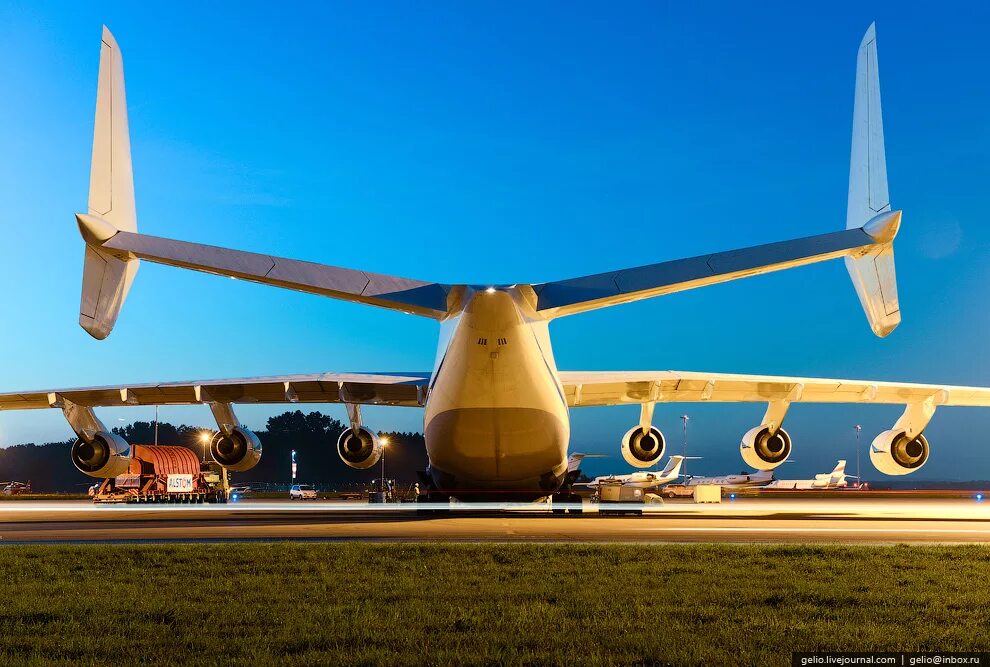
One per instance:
(107, 278)
(872, 273)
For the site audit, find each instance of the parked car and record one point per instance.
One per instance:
(302, 492)
(678, 491)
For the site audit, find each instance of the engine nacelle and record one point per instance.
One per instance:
(894, 453)
(237, 452)
(763, 451)
(106, 455)
(643, 449)
(359, 449)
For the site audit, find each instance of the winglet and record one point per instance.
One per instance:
(107, 278)
(868, 207)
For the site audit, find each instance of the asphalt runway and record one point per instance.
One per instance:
(790, 520)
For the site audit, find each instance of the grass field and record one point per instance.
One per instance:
(361, 604)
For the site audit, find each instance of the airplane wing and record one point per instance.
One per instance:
(356, 388)
(591, 388)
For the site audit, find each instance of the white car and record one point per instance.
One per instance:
(302, 492)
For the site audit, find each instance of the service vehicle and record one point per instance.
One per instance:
(164, 474)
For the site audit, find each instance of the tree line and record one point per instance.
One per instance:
(313, 436)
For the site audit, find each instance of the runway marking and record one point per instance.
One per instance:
(809, 529)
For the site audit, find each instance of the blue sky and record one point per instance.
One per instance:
(502, 142)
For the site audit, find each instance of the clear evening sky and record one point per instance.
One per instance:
(505, 142)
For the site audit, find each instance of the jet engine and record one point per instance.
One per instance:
(359, 449)
(894, 453)
(106, 455)
(643, 449)
(238, 451)
(763, 451)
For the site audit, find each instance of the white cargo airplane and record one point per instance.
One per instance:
(643, 479)
(740, 481)
(496, 406)
(826, 480)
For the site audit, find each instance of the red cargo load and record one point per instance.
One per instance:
(165, 459)
(148, 475)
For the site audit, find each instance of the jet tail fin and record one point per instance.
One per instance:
(872, 272)
(673, 467)
(107, 278)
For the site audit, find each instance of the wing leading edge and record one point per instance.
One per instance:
(355, 388)
(595, 388)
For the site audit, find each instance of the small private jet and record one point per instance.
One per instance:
(826, 480)
(641, 479)
(743, 480)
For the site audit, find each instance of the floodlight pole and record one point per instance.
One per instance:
(859, 480)
(156, 426)
(684, 418)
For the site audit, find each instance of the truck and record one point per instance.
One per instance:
(165, 474)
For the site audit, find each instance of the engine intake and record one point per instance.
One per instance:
(763, 451)
(237, 452)
(106, 455)
(359, 449)
(643, 449)
(894, 453)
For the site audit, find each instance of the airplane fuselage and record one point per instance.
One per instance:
(496, 419)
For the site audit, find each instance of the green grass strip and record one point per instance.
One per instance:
(384, 604)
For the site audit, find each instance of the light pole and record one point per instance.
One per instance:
(859, 480)
(684, 418)
(384, 441)
(204, 437)
(156, 426)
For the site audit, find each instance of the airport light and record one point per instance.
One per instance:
(859, 480)
(684, 418)
(205, 437)
(384, 441)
